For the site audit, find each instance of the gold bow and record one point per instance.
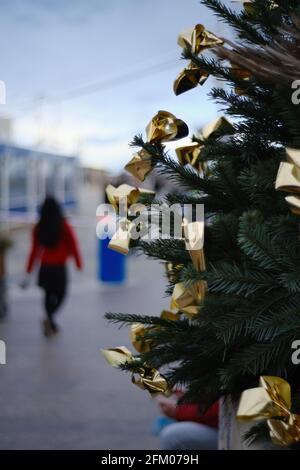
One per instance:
(271, 401)
(194, 243)
(249, 7)
(169, 315)
(190, 77)
(124, 193)
(187, 300)
(165, 127)
(198, 38)
(148, 377)
(117, 356)
(140, 165)
(190, 154)
(127, 195)
(138, 330)
(214, 126)
(120, 241)
(288, 178)
(171, 270)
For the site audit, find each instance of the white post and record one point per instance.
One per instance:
(42, 175)
(60, 188)
(232, 431)
(32, 189)
(2, 353)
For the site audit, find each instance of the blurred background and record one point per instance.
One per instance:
(81, 78)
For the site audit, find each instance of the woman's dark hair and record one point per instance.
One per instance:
(49, 227)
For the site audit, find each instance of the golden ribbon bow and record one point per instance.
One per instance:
(126, 195)
(190, 154)
(198, 38)
(138, 330)
(165, 127)
(117, 356)
(169, 315)
(190, 77)
(171, 270)
(288, 178)
(194, 243)
(148, 377)
(271, 401)
(120, 241)
(215, 126)
(140, 165)
(249, 7)
(187, 299)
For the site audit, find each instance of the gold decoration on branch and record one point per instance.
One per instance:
(120, 241)
(187, 299)
(169, 315)
(185, 38)
(117, 356)
(272, 401)
(288, 178)
(198, 38)
(215, 126)
(194, 243)
(249, 7)
(190, 77)
(171, 270)
(190, 154)
(127, 196)
(294, 203)
(150, 379)
(140, 165)
(165, 127)
(138, 330)
(125, 193)
(146, 377)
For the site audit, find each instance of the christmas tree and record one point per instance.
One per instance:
(244, 318)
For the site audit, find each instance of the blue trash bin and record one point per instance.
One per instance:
(111, 264)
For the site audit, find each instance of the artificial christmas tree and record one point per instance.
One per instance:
(243, 316)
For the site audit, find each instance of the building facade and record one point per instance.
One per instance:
(27, 176)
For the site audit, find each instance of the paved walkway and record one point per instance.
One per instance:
(60, 393)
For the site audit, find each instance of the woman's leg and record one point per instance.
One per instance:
(54, 280)
(187, 435)
(53, 300)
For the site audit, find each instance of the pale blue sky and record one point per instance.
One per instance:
(52, 49)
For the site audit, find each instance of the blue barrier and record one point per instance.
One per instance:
(111, 264)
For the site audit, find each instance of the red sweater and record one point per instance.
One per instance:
(191, 413)
(66, 247)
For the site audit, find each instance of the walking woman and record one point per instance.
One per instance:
(53, 242)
